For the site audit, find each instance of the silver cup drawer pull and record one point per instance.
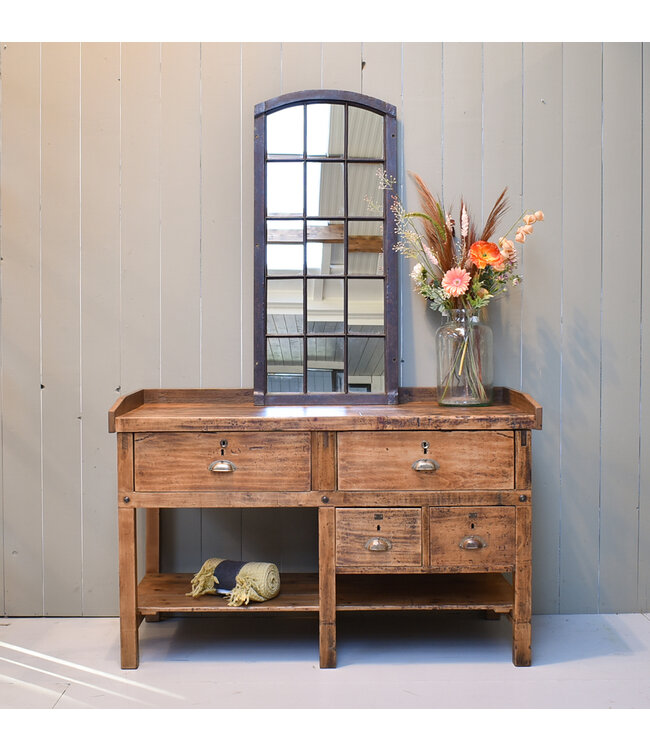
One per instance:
(378, 544)
(425, 464)
(472, 543)
(222, 466)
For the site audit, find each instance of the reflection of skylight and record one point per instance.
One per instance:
(284, 132)
(318, 129)
(284, 136)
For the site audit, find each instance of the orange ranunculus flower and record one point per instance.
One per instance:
(484, 254)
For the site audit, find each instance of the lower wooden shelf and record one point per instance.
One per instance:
(489, 591)
(166, 592)
(158, 593)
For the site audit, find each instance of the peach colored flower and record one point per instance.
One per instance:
(507, 248)
(520, 237)
(527, 229)
(484, 254)
(530, 219)
(539, 215)
(455, 282)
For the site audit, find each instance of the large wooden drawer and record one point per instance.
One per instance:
(419, 460)
(246, 461)
(476, 539)
(378, 537)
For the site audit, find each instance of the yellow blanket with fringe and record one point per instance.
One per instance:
(240, 582)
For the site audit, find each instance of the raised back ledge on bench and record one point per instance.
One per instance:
(210, 409)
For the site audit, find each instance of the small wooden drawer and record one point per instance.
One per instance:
(476, 539)
(454, 460)
(246, 461)
(379, 537)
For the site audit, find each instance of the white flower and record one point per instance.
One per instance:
(417, 271)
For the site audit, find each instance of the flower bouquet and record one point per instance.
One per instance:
(459, 271)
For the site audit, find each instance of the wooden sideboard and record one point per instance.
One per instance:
(439, 496)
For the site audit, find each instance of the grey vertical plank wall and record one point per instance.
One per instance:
(100, 316)
(126, 185)
(420, 132)
(180, 261)
(581, 326)
(620, 332)
(22, 510)
(60, 326)
(644, 483)
(542, 300)
(221, 243)
(502, 168)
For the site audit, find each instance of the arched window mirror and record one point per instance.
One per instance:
(325, 269)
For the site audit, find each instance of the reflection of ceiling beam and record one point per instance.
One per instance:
(361, 243)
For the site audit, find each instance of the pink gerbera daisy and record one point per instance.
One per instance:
(456, 281)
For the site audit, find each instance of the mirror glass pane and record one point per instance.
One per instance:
(325, 248)
(283, 260)
(325, 364)
(365, 248)
(366, 306)
(324, 189)
(366, 364)
(285, 132)
(284, 365)
(365, 197)
(284, 306)
(325, 130)
(365, 134)
(325, 306)
(284, 189)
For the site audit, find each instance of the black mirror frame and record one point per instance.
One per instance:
(391, 349)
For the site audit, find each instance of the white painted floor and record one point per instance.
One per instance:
(385, 660)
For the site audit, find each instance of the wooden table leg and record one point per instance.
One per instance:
(327, 587)
(522, 606)
(152, 554)
(128, 588)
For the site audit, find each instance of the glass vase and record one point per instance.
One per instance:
(465, 369)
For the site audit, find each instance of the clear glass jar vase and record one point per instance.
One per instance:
(465, 368)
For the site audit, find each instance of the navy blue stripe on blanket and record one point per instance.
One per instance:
(226, 573)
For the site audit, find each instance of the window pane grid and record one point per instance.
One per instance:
(349, 339)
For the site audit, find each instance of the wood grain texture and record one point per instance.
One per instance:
(494, 527)
(523, 456)
(462, 591)
(400, 531)
(175, 461)
(167, 592)
(622, 159)
(522, 585)
(61, 335)
(129, 643)
(323, 460)
(213, 413)
(384, 461)
(327, 595)
(21, 350)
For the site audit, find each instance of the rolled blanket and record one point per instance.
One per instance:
(241, 582)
